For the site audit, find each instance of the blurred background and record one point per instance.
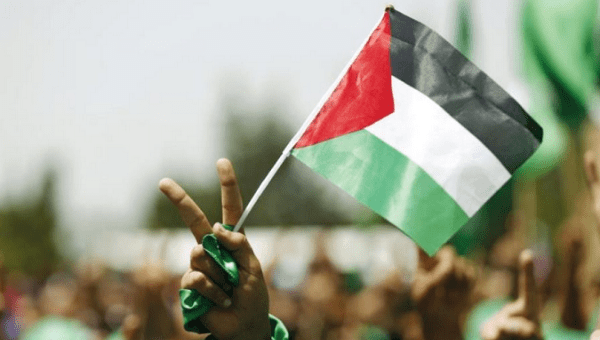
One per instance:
(101, 99)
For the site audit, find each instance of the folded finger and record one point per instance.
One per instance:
(191, 214)
(201, 261)
(239, 247)
(206, 287)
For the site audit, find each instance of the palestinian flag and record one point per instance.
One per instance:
(417, 132)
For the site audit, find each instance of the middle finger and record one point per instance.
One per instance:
(201, 261)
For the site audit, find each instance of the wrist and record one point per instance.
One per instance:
(276, 331)
(436, 329)
(259, 331)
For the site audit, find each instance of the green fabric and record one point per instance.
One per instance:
(561, 68)
(371, 332)
(278, 330)
(480, 314)
(593, 321)
(389, 183)
(464, 40)
(194, 305)
(556, 331)
(118, 335)
(57, 328)
(558, 44)
(539, 75)
(553, 147)
(222, 257)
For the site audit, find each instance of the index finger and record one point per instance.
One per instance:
(527, 287)
(191, 214)
(231, 199)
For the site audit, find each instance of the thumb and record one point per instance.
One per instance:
(527, 288)
(239, 247)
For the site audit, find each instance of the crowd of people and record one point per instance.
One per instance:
(510, 292)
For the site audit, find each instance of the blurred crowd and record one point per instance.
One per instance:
(328, 283)
(371, 282)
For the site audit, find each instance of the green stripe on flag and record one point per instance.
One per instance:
(389, 183)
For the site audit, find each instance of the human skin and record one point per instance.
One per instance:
(240, 312)
(591, 165)
(519, 319)
(442, 291)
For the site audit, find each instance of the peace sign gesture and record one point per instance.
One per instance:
(240, 312)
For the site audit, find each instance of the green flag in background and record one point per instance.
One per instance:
(559, 45)
(559, 65)
(464, 35)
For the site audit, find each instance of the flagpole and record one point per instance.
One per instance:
(288, 149)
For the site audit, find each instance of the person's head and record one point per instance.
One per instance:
(58, 296)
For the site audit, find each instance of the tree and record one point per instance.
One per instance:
(27, 231)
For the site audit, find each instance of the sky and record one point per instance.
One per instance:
(119, 94)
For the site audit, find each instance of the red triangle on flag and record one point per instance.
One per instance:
(362, 97)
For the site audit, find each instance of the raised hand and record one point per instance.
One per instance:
(240, 312)
(521, 318)
(573, 314)
(443, 291)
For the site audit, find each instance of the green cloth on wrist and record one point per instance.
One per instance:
(278, 330)
(194, 305)
(222, 257)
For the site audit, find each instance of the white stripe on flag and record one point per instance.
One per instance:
(421, 130)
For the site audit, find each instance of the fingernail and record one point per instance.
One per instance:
(227, 303)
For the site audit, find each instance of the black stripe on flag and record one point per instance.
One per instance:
(424, 60)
